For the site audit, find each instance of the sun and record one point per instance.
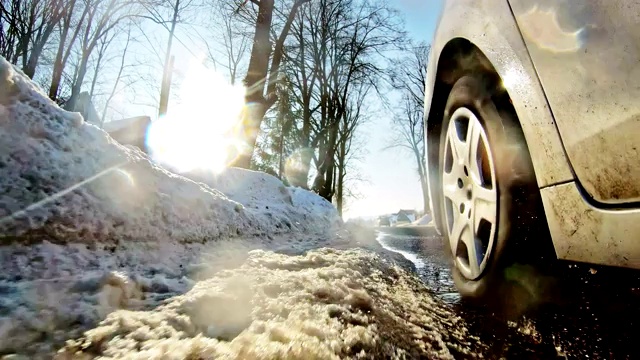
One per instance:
(197, 133)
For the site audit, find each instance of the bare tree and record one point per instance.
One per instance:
(100, 60)
(117, 79)
(29, 25)
(410, 74)
(346, 153)
(102, 16)
(229, 47)
(333, 62)
(300, 64)
(168, 14)
(69, 29)
(410, 77)
(367, 28)
(8, 27)
(261, 79)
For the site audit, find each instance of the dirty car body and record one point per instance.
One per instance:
(572, 74)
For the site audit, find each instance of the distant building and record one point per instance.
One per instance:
(130, 131)
(405, 217)
(401, 217)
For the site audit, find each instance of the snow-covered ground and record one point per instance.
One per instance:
(93, 230)
(327, 304)
(88, 225)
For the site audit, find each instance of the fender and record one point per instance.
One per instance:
(491, 28)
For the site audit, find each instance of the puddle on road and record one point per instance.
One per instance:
(450, 298)
(384, 241)
(426, 256)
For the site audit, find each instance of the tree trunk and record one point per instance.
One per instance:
(115, 85)
(254, 81)
(341, 175)
(165, 88)
(39, 43)
(32, 63)
(62, 55)
(280, 121)
(96, 71)
(329, 163)
(77, 84)
(166, 73)
(425, 195)
(257, 79)
(252, 118)
(423, 179)
(306, 153)
(58, 65)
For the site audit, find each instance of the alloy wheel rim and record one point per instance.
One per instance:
(470, 193)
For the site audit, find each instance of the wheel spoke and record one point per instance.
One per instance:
(474, 139)
(456, 233)
(473, 252)
(484, 206)
(485, 196)
(474, 134)
(458, 148)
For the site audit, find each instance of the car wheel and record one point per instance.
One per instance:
(492, 213)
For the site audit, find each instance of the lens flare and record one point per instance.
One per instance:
(198, 132)
(543, 28)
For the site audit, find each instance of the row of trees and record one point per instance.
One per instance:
(100, 47)
(314, 70)
(53, 41)
(409, 76)
(332, 68)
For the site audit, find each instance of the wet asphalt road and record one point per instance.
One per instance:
(594, 314)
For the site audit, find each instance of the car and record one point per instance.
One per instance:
(532, 124)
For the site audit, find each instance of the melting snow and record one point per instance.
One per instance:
(327, 304)
(100, 245)
(88, 226)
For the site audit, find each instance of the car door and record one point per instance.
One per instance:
(587, 56)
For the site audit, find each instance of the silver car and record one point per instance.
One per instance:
(533, 136)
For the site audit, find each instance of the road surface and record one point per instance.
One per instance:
(596, 316)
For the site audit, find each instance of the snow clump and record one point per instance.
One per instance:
(327, 304)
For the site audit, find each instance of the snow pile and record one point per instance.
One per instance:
(327, 304)
(266, 195)
(113, 193)
(88, 226)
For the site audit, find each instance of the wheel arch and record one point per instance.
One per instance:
(461, 56)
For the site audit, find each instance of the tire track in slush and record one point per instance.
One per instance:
(594, 317)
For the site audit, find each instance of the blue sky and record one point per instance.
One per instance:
(421, 17)
(392, 179)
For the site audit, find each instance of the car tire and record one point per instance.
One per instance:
(493, 220)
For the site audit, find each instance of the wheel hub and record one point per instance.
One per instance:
(470, 193)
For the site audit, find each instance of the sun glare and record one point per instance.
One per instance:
(197, 132)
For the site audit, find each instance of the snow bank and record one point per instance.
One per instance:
(327, 304)
(266, 196)
(51, 292)
(88, 226)
(110, 193)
